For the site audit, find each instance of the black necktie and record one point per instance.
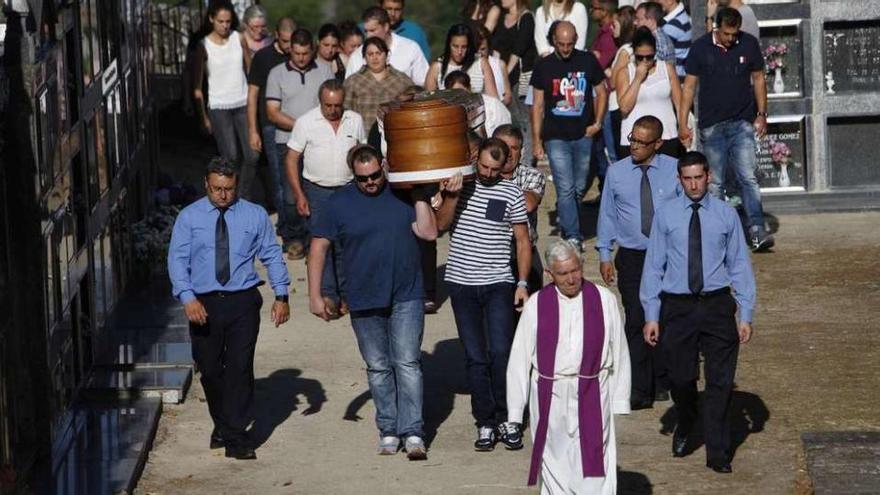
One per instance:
(221, 249)
(647, 203)
(695, 252)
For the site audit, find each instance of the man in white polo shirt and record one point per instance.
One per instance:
(323, 136)
(404, 54)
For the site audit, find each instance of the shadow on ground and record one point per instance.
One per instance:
(277, 396)
(444, 377)
(748, 415)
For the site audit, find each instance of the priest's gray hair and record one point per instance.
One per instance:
(560, 251)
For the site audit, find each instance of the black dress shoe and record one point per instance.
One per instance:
(679, 444)
(217, 440)
(240, 452)
(720, 467)
(639, 404)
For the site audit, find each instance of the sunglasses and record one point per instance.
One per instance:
(374, 176)
(643, 58)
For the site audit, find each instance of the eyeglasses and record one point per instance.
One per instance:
(633, 142)
(643, 58)
(374, 176)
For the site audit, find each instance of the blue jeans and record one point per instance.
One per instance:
(484, 317)
(570, 166)
(230, 129)
(604, 141)
(333, 278)
(390, 341)
(520, 114)
(732, 144)
(290, 226)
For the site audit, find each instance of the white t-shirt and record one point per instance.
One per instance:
(479, 245)
(496, 114)
(325, 152)
(577, 16)
(655, 98)
(404, 55)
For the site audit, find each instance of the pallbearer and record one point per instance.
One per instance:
(570, 362)
(697, 251)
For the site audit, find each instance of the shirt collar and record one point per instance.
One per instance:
(209, 206)
(705, 203)
(652, 163)
(722, 47)
(312, 65)
(672, 15)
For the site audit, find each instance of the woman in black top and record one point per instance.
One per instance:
(514, 40)
(328, 50)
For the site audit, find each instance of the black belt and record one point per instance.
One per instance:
(698, 296)
(226, 293)
(636, 251)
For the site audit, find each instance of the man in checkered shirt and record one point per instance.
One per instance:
(532, 183)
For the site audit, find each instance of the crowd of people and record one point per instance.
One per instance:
(619, 109)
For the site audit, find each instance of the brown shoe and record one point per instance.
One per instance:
(296, 250)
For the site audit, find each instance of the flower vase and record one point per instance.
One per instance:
(778, 83)
(784, 179)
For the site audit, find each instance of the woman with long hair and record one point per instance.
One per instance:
(351, 38)
(514, 39)
(482, 13)
(376, 83)
(328, 50)
(551, 11)
(648, 87)
(223, 59)
(461, 53)
(256, 28)
(499, 68)
(623, 30)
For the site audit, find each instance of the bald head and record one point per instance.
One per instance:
(564, 36)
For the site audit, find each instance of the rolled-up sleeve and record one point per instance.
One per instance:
(179, 250)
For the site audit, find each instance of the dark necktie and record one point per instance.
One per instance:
(221, 249)
(695, 252)
(647, 203)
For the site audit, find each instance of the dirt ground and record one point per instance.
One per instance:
(813, 364)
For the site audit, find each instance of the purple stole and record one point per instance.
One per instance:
(589, 398)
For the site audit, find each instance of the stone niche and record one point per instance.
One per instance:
(783, 47)
(852, 158)
(782, 156)
(851, 56)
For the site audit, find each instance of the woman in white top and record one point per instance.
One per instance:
(646, 87)
(499, 68)
(560, 10)
(256, 31)
(223, 58)
(460, 53)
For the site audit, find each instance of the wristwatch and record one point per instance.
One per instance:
(285, 299)
(762, 114)
(523, 283)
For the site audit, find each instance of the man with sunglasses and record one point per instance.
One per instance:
(729, 67)
(634, 188)
(377, 232)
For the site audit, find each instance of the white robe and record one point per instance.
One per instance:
(561, 471)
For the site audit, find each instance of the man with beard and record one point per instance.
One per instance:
(565, 120)
(482, 217)
(377, 232)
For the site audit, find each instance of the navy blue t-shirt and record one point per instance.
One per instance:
(380, 255)
(725, 78)
(568, 93)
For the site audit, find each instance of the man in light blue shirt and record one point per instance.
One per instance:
(634, 188)
(696, 252)
(211, 266)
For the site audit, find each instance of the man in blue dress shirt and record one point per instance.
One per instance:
(696, 252)
(211, 266)
(634, 188)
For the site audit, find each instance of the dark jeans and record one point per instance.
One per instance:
(230, 129)
(484, 317)
(648, 370)
(291, 226)
(390, 341)
(428, 250)
(333, 278)
(690, 326)
(223, 349)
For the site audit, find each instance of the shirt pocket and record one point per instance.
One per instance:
(714, 238)
(248, 244)
(495, 210)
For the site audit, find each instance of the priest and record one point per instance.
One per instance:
(570, 357)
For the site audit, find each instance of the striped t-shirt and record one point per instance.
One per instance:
(678, 27)
(479, 246)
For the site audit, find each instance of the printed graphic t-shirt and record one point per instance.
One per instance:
(568, 93)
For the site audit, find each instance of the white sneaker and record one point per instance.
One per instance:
(388, 445)
(415, 448)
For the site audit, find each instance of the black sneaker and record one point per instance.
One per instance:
(760, 240)
(510, 435)
(485, 439)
